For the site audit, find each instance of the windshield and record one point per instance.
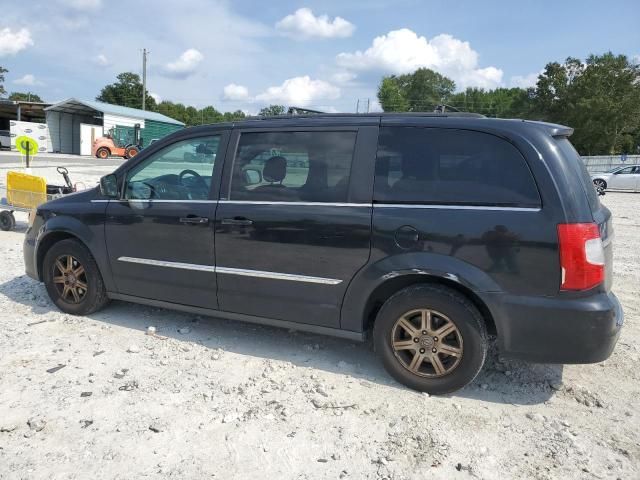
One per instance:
(614, 169)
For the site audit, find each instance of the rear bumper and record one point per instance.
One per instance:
(557, 330)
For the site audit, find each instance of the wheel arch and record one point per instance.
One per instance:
(376, 282)
(389, 287)
(61, 227)
(48, 241)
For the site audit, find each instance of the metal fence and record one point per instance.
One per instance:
(602, 163)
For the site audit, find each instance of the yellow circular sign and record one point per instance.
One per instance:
(26, 145)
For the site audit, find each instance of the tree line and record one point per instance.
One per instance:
(599, 97)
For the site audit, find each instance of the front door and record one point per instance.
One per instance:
(290, 234)
(160, 235)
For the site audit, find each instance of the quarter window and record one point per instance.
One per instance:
(181, 171)
(293, 166)
(448, 166)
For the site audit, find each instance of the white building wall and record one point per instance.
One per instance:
(113, 120)
(38, 131)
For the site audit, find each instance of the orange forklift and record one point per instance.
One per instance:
(117, 145)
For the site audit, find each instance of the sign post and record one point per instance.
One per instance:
(28, 147)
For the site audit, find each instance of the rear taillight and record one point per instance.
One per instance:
(581, 256)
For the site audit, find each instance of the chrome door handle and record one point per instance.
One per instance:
(194, 220)
(237, 221)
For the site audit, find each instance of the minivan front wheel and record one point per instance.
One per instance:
(431, 338)
(72, 278)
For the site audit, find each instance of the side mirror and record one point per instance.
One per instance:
(109, 186)
(253, 176)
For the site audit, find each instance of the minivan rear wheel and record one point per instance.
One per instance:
(72, 278)
(431, 338)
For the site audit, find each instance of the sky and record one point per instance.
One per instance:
(324, 54)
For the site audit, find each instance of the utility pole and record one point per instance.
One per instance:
(144, 77)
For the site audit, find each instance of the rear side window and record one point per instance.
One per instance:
(293, 166)
(572, 155)
(447, 166)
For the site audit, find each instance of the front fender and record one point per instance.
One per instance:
(431, 266)
(90, 233)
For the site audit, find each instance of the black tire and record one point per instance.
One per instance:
(471, 331)
(103, 153)
(131, 152)
(95, 295)
(7, 221)
(600, 184)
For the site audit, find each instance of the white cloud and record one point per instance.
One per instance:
(343, 78)
(304, 24)
(636, 59)
(299, 92)
(14, 42)
(524, 81)
(403, 51)
(28, 80)
(84, 5)
(235, 92)
(185, 65)
(156, 97)
(101, 60)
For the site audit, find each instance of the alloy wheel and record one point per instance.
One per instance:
(70, 279)
(427, 343)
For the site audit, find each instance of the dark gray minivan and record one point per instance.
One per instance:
(429, 231)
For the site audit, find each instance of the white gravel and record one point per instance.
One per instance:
(207, 398)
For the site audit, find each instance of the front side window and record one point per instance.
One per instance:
(293, 166)
(448, 166)
(181, 171)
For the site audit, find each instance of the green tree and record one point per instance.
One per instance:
(599, 98)
(25, 97)
(192, 116)
(127, 91)
(272, 111)
(501, 102)
(420, 91)
(391, 97)
(2, 72)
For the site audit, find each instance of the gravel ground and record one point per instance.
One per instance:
(96, 397)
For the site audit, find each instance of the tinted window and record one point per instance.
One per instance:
(293, 166)
(446, 166)
(180, 171)
(572, 155)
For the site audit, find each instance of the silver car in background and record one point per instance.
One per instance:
(626, 177)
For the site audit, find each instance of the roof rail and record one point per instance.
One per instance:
(303, 111)
(376, 114)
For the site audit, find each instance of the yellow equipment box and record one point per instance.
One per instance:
(25, 191)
